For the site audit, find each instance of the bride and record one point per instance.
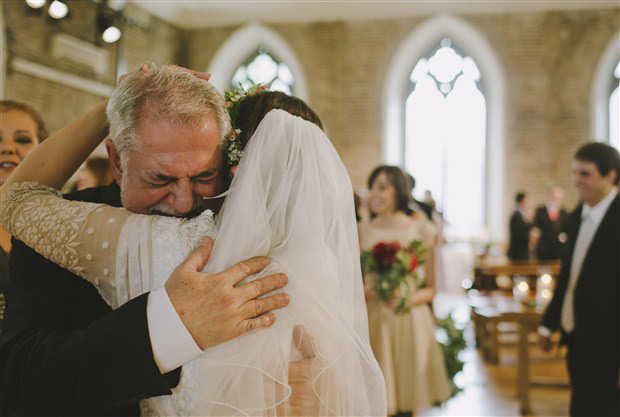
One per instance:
(290, 200)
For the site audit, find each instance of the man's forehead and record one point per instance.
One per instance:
(180, 164)
(162, 136)
(584, 166)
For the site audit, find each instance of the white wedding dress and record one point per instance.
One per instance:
(291, 199)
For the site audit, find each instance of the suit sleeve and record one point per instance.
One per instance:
(539, 220)
(552, 316)
(519, 227)
(63, 351)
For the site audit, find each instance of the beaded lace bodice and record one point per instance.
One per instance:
(122, 253)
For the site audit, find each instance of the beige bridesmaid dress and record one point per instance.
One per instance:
(404, 344)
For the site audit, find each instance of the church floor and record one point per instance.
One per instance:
(490, 390)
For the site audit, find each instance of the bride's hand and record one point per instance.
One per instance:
(303, 400)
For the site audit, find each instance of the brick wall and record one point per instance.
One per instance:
(29, 34)
(549, 59)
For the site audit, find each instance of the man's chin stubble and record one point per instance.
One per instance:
(161, 211)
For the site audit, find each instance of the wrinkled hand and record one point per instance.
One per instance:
(303, 401)
(544, 343)
(212, 309)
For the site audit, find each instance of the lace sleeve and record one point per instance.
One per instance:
(78, 236)
(122, 253)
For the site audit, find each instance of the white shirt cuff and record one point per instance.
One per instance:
(543, 331)
(172, 344)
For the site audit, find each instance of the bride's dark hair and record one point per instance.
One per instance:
(254, 108)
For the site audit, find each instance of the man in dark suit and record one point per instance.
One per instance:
(549, 220)
(63, 351)
(417, 205)
(586, 302)
(520, 226)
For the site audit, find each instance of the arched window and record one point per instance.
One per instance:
(465, 41)
(604, 95)
(264, 68)
(614, 109)
(445, 135)
(256, 53)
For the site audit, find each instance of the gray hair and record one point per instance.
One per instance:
(167, 93)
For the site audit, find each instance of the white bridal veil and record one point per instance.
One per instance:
(292, 201)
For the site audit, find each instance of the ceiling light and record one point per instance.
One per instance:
(35, 4)
(117, 5)
(58, 9)
(111, 34)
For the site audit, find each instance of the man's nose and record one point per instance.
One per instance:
(182, 197)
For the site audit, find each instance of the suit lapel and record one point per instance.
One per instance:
(600, 239)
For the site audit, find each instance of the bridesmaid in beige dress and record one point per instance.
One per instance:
(404, 344)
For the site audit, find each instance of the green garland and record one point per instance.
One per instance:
(233, 98)
(451, 348)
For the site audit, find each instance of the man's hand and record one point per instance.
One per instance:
(212, 309)
(544, 343)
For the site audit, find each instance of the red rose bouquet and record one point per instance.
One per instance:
(394, 266)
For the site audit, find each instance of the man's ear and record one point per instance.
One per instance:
(614, 181)
(115, 161)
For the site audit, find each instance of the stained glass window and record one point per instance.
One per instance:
(263, 67)
(614, 110)
(446, 135)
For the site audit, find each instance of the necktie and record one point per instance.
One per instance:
(584, 238)
(553, 214)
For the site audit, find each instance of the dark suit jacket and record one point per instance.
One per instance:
(63, 351)
(597, 294)
(549, 246)
(428, 210)
(519, 237)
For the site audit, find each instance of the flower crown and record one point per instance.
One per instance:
(232, 146)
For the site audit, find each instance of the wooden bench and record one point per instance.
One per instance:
(488, 310)
(485, 272)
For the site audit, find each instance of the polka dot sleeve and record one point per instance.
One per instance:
(81, 237)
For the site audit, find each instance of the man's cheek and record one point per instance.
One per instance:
(207, 190)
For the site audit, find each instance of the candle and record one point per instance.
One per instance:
(521, 289)
(544, 286)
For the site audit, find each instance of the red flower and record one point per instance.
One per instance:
(385, 253)
(414, 262)
(233, 170)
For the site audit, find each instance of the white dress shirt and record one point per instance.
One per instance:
(591, 217)
(172, 344)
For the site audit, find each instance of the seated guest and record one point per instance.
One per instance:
(549, 220)
(94, 173)
(21, 129)
(520, 227)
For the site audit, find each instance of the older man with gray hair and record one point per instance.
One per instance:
(63, 351)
